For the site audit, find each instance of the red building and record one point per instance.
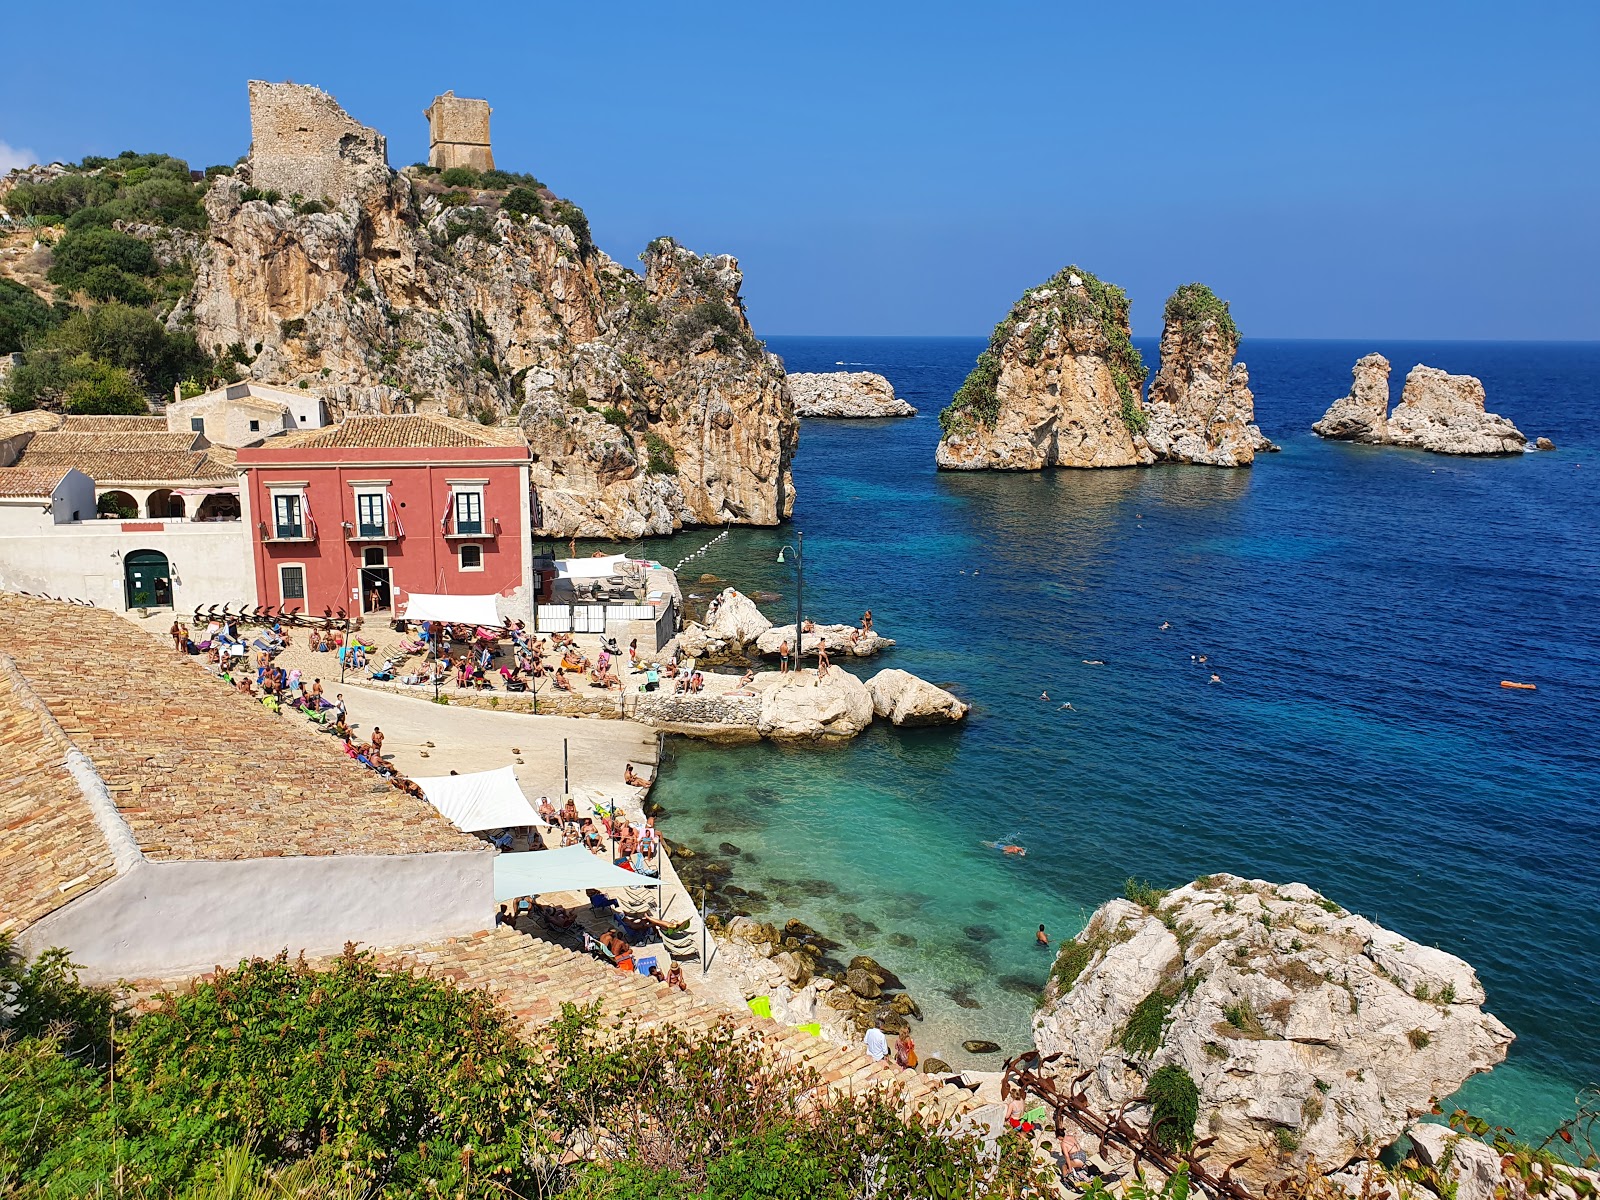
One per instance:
(360, 515)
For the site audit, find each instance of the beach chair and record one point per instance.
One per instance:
(683, 944)
(598, 949)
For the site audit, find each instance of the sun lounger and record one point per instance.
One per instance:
(683, 944)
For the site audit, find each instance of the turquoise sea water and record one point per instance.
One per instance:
(1361, 606)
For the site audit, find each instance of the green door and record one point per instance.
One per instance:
(147, 579)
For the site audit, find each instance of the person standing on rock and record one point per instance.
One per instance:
(783, 657)
(822, 659)
(866, 621)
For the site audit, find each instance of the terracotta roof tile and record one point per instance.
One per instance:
(51, 850)
(96, 424)
(409, 432)
(143, 455)
(67, 441)
(35, 421)
(197, 770)
(29, 481)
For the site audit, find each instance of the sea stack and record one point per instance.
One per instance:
(856, 394)
(1438, 412)
(1201, 409)
(1058, 386)
(1307, 1029)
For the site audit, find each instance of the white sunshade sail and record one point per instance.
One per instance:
(569, 869)
(461, 610)
(591, 568)
(485, 800)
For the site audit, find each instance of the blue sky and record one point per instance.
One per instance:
(1354, 170)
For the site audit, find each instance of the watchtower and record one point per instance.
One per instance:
(458, 133)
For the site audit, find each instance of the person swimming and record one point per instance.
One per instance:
(1006, 848)
(1094, 662)
(1044, 695)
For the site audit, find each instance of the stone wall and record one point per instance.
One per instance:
(303, 144)
(458, 133)
(666, 708)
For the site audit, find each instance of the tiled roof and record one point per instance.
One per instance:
(29, 481)
(409, 432)
(138, 456)
(531, 979)
(51, 850)
(91, 424)
(196, 770)
(34, 421)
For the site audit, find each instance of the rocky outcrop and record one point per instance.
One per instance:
(1302, 1024)
(1200, 408)
(734, 618)
(907, 700)
(1445, 414)
(802, 707)
(842, 640)
(846, 394)
(648, 402)
(1439, 412)
(1058, 386)
(1363, 414)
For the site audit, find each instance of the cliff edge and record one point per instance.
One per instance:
(649, 401)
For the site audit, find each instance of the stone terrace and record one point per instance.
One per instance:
(196, 770)
(531, 979)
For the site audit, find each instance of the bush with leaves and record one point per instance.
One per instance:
(105, 264)
(23, 316)
(524, 201)
(1174, 1106)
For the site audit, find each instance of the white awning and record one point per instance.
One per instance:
(591, 568)
(485, 800)
(569, 869)
(463, 610)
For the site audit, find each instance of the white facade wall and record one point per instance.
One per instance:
(209, 562)
(172, 918)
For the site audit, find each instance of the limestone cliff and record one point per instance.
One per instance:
(648, 402)
(1304, 1026)
(1200, 408)
(846, 394)
(1058, 386)
(1439, 412)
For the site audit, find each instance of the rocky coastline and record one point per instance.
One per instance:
(848, 394)
(1438, 412)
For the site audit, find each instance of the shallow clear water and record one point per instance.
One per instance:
(1361, 606)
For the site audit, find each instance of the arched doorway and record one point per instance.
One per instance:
(164, 504)
(375, 588)
(146, 579)
(119, 505)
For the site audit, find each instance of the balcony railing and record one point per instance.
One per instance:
(485, 530)
(363, 531)
(289, 531)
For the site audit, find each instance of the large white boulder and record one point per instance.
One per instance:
(1302, 1024)
(802, 707)
(736, 619)
(907, 700)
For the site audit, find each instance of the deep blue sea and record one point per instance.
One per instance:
(1361, 606)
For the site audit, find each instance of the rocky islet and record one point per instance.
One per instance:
(851, 394)
(1438, 412)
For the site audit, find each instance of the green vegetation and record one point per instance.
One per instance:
(1193, 305)
(1328, 906)
(474, 221)
(466, 177)
(269, 195)
(1140, 1036)
(1418, 1038)
(150, 189)
(1073, 957)
(1288, 1139)
(524, 201)
(1174, 1106)
(1146, 895)
(1243, 1022)
(616, 416)
(358, 1081)
(570, 215)
(662, 459)
(112, 335)
(1094, 318)
(1447, 994)
(104, 265)
(23, 316)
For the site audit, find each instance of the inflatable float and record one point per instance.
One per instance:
(1521, 687)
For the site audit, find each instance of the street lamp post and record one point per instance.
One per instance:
(799, 591)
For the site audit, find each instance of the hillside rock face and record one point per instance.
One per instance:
(1363, 415)
(1290, 1013)
(648, 402)
(846, 394)
(1200, 408)
(1058, 386)
(1439, 412)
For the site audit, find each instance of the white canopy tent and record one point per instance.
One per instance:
(592, 568)
(463, 610)
(485, 800)
(569, 869)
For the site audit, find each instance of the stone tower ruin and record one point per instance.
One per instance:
(303, 144)
(458, 133)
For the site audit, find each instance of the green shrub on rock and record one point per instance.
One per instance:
(23, 315)
(1174, 1106)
